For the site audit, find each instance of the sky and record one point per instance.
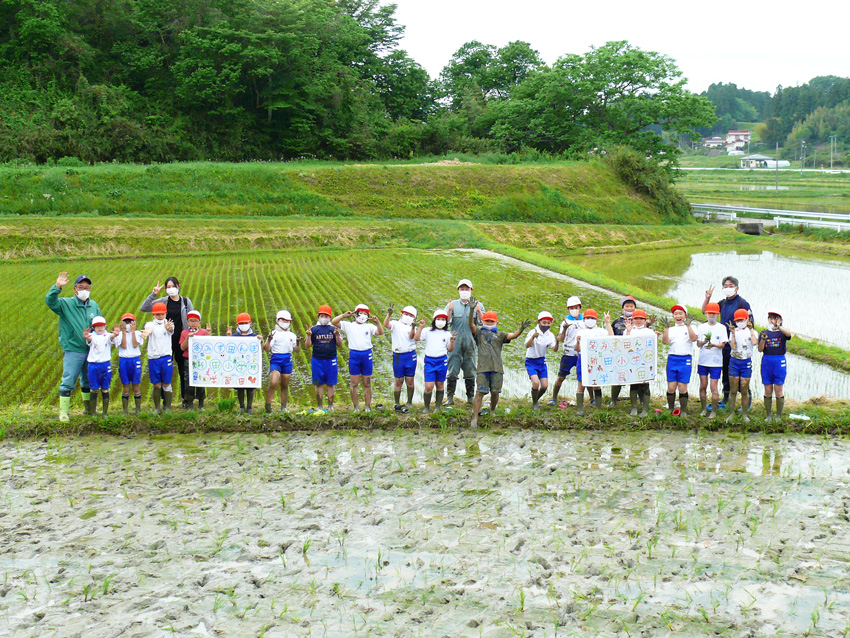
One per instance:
(756, 45)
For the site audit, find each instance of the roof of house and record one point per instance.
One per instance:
(757, 157)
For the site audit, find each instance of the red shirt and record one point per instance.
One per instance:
(200, 332)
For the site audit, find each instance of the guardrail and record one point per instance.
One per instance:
(771, 212)
(812, 223)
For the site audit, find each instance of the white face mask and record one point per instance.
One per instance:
(362, 318)
(730, 292)
(741, 324)
(590, 323)
(171, 292)
(284, 325)
(627, 313)
(323, 321)
(464, 294)
(440, 323)
(712, 320)
(575, 312)
(159, 322)
(406, 320)
(244, 327)
(83, 295)
(129, 327)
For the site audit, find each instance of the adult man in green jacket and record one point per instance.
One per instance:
(75, 315)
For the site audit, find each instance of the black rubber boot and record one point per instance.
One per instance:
(580, 403)
(250, 392)
(138, 399)
(683, 403)
(470, 390)
(451, 387)
(780, 406)
(105, 396)
(634, 397)
(157, 393)
(671, 400)
(439, 401)
(92, 411)
(644, 402)
(615, 395)
(166, 400)
(240, 394)
(426, 398)
(125, 403)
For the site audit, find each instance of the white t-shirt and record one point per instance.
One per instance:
(588, 333)
(401, 337)
(543, 342)
(714, 334)
(159, 340)
(436, 342)
(573, 326)
(680, 341)
(100, 347)
(129, 352)
(283, 341)
(744, 344)
(642, 332)
(359, 335)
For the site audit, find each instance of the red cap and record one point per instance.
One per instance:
(490, 316)
(326, 310)
(159, 307)
(639, 314)
(128, 315)
(678, 307)
(623, 300)
(193, 313)
(713, 307)
(590, 314)
(243, 317)
(741, 313)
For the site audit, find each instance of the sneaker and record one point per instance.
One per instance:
(704, 412)
(721, 405)
(552, 402)
(484, 412)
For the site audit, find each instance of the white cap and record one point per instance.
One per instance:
(361, 307)
(98, 321)
(441, 312)
(464, 282)
(544, 315)
(194, 313)
(284, 314)
(573, 301)
(409, 310)
(774, 311)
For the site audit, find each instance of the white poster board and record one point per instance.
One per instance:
(619, 360)
(225, 362)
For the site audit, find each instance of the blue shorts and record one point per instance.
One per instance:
(360, 362)
(325, 371)
(436, 368)
(710, 371)
(742, 368)
(679, 368)
(568, 362)
(404, 364)
(773, 369)
(281, 363)
(100, 375)
(161, 369)
(578, 369)
(537, 368)
(130, 370)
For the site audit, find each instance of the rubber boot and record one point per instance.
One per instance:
(597, 393)
(157, 394)
(201, 396)
(427, 399)
(138, 401)
(240, 394)
(634, 397)
(644, 402)
(410, 392)
(105, 396)
(703, 402)
(125, 403)
(580, 403)
(730, 407)
(397, 399)
(93, 403)
(439, 401)
(451, 387)
(780, 406)
(768, 409)
(64, 406)
(470, 390)
(250, 392)
(166, 400)
(615, 395)
(745, 408)
(683, 403)
(535, 395)
(671, 400)
(268, 408)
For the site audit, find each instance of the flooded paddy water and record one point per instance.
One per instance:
(425, 534)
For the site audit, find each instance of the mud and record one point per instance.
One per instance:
(410, 534)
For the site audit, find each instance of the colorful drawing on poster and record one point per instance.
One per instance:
(225, 362)
(625, 361)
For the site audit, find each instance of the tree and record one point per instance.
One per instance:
(404, 87)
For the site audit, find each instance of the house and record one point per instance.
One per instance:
(713, 142)
(737, 140)
(763, 161)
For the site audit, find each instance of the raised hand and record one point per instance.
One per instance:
(157, 288)
(373, 318)
(524, 325)
(629, 323)
(652, 319)
(607, 318)
(750, 324)
(390, 309)
(473, 303)
(422, 323)
(62, 280)
(116, 330)
(347, 314)
(688, 321)
(763, 335)
(709, 292)
(454, 336)
(731, 326)
(209, 328)
(86, 333)
(229, 331)
(665, 322)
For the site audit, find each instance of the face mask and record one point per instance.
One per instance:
(406, 320)
(575, 312)
(440, 323)
(712, 320)
(494, 328)
(284, 325)
(544, 328)
(590, 323)
(83, 295)
(741, 324)
(323, 321)
(361, 318)
(627, 313)
(171, 292)
(128, 327)
(464, 294)
(729, 292)
(244, 327)
(159, 322)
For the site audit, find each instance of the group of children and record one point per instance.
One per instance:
(326, 335)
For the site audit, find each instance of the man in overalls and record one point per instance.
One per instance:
(463, 356)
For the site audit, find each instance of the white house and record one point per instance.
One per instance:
(763, 161)
(713, 142)
(737, 140)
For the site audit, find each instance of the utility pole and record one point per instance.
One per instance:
(777, 167)
(831, 148)
(802, 156)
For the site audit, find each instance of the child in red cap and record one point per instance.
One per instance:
(590, 330)
(193, 318)
(243, 329)
(712, 337)
(680, 337)
(324, 339)
(129, 344)
(773, 366)
(637, 326)
(100, 362)
(160, 365)
(489, 372)
(742, 339)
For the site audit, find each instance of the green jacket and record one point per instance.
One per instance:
(74, 317)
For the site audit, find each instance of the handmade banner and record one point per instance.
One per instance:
(619, 360)
(225, 362)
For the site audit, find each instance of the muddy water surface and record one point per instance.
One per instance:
(435, 534)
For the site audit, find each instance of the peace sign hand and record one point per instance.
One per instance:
(709, 292)
(157, 288)
(390, 309)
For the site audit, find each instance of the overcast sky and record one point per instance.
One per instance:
(756, 45)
